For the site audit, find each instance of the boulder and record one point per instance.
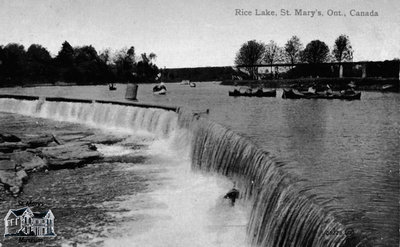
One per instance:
(7, 165)
(70, 155)
(9, 138)
(70, 136)
(22, 175)
(27, 160)
(103, 139)
(11, 181)
(35, 141)
(9, 147)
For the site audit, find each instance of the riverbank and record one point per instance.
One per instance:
(366, 84)
(77, 192)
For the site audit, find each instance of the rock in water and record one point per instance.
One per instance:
(35, 141)
(9, 138)
(9, 147)
(103, 139)
(7, 165)
(11, 181)
(28, 161)
(70, 155)
(22, 175)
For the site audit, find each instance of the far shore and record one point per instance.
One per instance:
(366, 84)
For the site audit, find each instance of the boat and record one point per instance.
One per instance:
(387, 88)
(160, 92)
(192, 84)
(112, 87)
(295, 94)
(160, 89)
(292, 94)
(249, 93)
(185, 82)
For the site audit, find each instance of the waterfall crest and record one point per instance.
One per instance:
(283, 214)
(126, 118)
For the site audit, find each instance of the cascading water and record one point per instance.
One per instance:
(123, 118)
(282, 213)
(179, 208)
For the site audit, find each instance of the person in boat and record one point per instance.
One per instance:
(159, 87)
(233, 194)
(328, 90)
(349, 89)
(259, 90)
(312, 89)
(162, 86)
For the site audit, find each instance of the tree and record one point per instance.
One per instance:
(273, 53)
(316, 52)
(14, 61)
(152, 56)
(293, 48)
(105, 56)
(124, 63)
(130, 57)
(39, 63)
(38, 53)
(85, 54)
(251, 53)
(146, 71)
(65, 56)
(342, 50)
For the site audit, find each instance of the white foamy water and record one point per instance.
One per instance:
(187, 210)
(182, 208)
(116, 150)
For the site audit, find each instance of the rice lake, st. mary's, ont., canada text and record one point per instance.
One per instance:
(306, 12)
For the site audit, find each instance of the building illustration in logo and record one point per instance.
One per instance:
(23, 222)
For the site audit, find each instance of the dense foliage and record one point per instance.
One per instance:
(251, 53)
(316, 52)
(81, 65)
(342, 50)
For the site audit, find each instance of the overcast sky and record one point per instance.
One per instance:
(185, 33)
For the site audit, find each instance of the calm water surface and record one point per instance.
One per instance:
(347, 152)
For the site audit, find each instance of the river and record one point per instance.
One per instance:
(342, 154)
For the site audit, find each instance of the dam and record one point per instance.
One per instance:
(307, 177)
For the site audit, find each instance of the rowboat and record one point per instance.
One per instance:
(249, 93)
(295, 94)
(160, 89)
(112, 87)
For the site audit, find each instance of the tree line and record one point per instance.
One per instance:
(256, 52)
(81, 65)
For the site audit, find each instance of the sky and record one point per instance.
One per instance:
(198, 33)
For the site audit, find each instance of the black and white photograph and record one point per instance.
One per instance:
(199, 123)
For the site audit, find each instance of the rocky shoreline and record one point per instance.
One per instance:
(23, 155)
